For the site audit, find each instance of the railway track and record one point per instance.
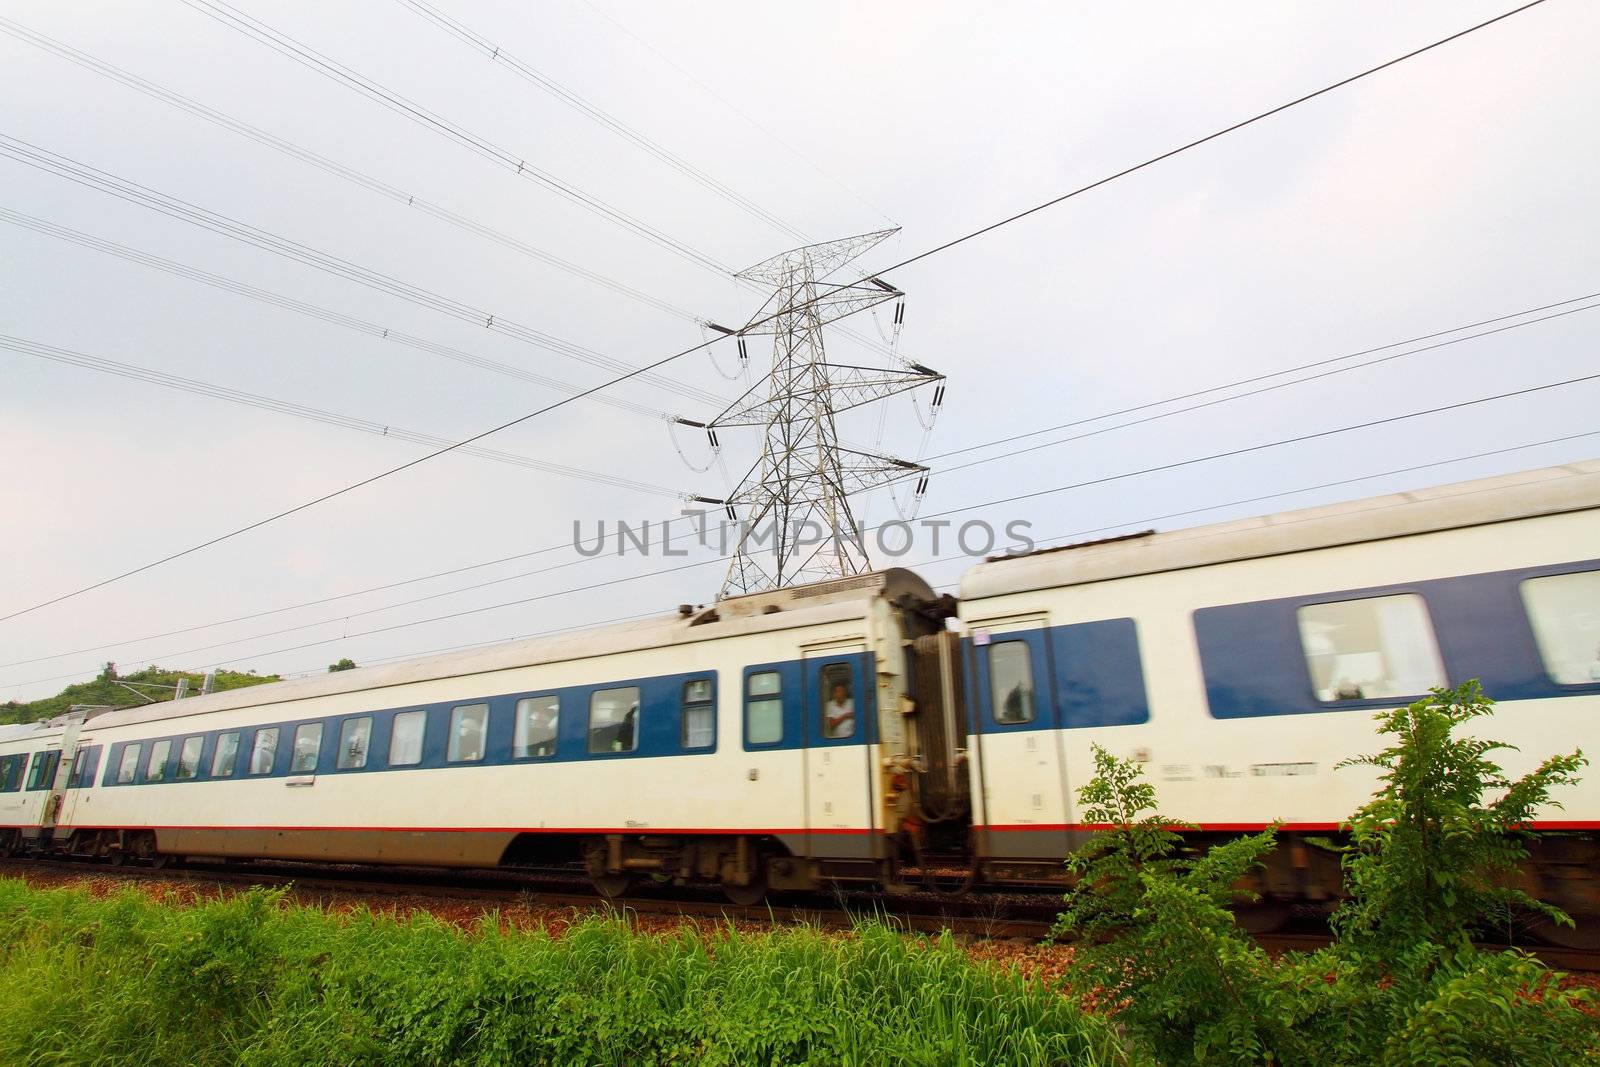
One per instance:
(1003, 916)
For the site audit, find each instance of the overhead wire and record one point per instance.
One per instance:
(103, 181)
(677, 355)
(232, 17)
(302, 307)
(1490, 453)
(303, 411)
(554, 88)
(377, 185)
(665, 522)
(1102, 480)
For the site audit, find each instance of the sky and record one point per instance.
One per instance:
(1451, 189)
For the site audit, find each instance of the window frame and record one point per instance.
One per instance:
(516, 728)
(638, 722)
(778, 696)
(321, 728)
(341, 752)
(37, 782)
(229, 770)
(824, 693)
(996, 702)
(199, 758)
(276, 733)
(452, 748)
(1536, 636)
(409, 715)
(685, 705)
(1336, 702)
(136, 750)
(164, 746)
(17, 760)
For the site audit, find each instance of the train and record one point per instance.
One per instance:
(868, 730)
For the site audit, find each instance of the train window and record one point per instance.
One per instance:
(264, 752)
(1565, 612)
(36, 772)
(11, 773)
(354, 737)
(189, 756)
(836, 692)
(614, 719)
(227, 755)
(467, 726)
(307, 747)
(763, 708)
(699, 714)
(1011, 688)
(537, 719)
(156, 769)
(1375, 648)
(85, 762)
(405, 740)
(129, 767)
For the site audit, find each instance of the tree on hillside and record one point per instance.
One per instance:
(345, 664)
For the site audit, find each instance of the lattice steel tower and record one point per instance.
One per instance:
(796, 524)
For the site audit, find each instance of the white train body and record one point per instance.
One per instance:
(846, 731)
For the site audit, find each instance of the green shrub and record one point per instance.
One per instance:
(1429, 859)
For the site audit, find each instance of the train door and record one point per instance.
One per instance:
(1023, 803)
(838, 728)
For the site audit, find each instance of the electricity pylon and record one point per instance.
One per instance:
(793, 509)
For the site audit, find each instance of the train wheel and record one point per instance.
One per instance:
(612, 886)
(746, 895)
(118, 857)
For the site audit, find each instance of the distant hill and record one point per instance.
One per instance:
(106, 691)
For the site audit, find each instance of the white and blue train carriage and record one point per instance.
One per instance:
(760, 742)
(1241, 661)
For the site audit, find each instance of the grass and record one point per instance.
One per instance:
(252, 980)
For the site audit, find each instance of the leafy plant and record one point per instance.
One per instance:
(1433, 854)
(1156, 936)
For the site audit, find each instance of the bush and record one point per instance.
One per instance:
(1428, 860)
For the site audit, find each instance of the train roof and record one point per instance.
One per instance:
(1544, 491)
(756, 613)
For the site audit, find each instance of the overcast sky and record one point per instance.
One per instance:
(1456, 187)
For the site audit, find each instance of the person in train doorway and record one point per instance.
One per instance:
(839, 717)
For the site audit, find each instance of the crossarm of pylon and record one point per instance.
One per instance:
(822, 259)
(827, 303)
(845, 387)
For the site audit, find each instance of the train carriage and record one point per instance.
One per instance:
(1241, 661)
(867, 730)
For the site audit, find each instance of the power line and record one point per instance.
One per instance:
(527, 73)
(951, 511)
(285, 45)
(328, 315)
(704, 344)
(1294, 370)
(1208, 137)
(1253, 392)
(302, 411)
(666, 522)
(719, 559)
(305, 155)
(103, 181)
(807, 160)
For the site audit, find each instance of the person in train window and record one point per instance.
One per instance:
(839, 717)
